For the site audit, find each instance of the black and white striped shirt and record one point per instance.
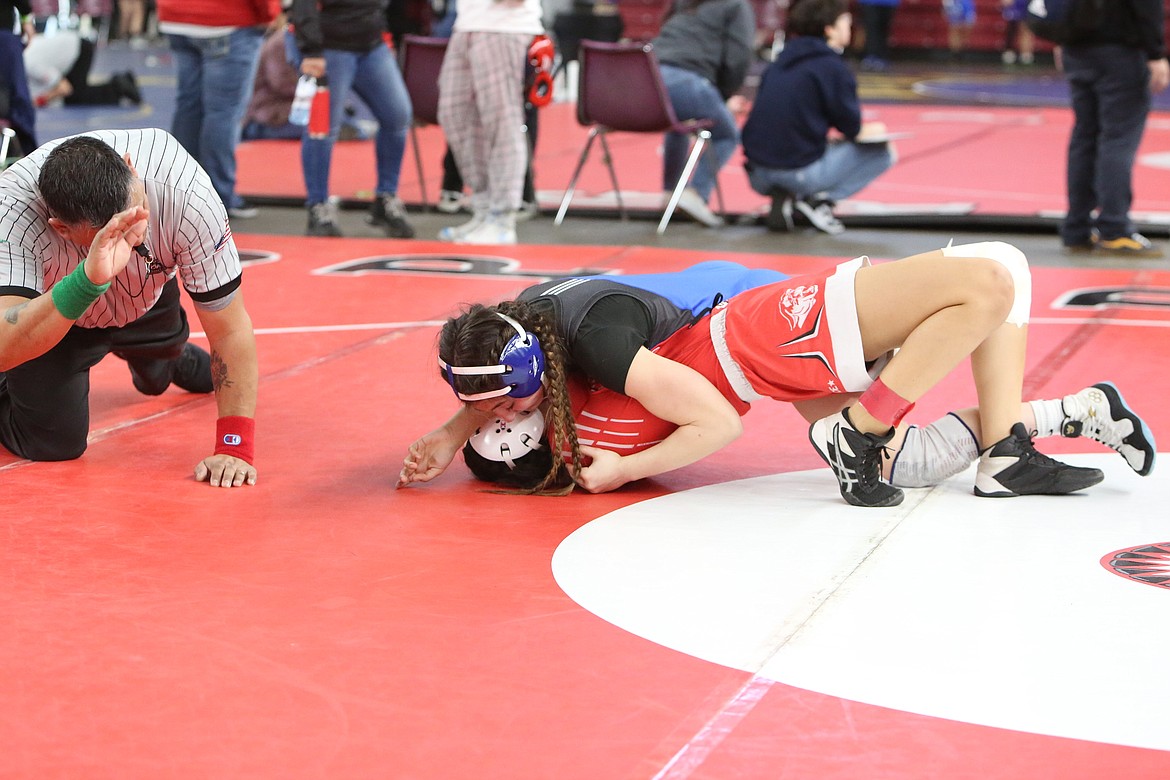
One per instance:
(188, 232)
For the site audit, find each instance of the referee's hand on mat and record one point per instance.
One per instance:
(225, 471)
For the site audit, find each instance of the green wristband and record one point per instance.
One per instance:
(73, 294)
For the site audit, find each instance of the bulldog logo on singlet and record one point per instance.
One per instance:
(797, 303)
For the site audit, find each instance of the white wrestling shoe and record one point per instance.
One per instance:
(1100, 413)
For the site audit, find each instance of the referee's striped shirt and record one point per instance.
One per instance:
(188, 232)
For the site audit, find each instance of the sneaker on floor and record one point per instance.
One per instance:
(388, 213)
(323, 220)
(193, 370)
(457, 232)
(1013, 467)
(528, 210)
(451, 202)
(497, 229)
(779, 217)
(127, 84)
(692, 203)
(1133, 245)
(856, 460)
(243, 210)
(1100, 413)
(1080, 247)
(821, 216)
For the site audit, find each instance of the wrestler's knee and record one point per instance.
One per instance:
(1009, 280)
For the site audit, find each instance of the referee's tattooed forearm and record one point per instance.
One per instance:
(12, 314)
(219, 372)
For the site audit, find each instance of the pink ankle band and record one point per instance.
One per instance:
(884, 404)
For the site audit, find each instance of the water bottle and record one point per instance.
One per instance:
(302, 101)
(319, 114)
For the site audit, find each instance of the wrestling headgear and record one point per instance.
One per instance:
(521, 366)
(505, 442)
(540, 58)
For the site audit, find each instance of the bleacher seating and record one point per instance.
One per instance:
(922, 24)
(918, 25)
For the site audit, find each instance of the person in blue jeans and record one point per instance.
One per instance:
(704, 49)
(804, 94)
(342, 41)
(1111, 72)
(216, 47)
(19, 111)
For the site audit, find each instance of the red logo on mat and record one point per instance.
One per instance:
(1149, 563)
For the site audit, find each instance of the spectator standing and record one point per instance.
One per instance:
(806, 92)
(704, 49)
(21, 114)
(342, 41)
(132, 22)
(1112, 71)
(451, 197)
(481, 110)
(216, 46)
(1019, 43)
(960, 16)
(877, 16)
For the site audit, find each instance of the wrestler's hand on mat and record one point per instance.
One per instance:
(428, 458)
(112, 246)
(225, 471)
(604, 473)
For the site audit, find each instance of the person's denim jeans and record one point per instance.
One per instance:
(375, 78)
(1110, 93)
(215, 78)
(21, 113)
(693, 97)
(844, 168)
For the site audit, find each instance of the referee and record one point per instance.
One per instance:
(96, 233)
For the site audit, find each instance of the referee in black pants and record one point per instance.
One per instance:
(97, 234)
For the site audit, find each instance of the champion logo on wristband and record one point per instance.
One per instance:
(235, 436)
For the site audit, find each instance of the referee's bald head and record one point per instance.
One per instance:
(85, 182)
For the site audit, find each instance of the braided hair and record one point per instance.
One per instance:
(478, 337)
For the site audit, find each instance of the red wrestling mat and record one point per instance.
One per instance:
(323, 625)
(958, 161)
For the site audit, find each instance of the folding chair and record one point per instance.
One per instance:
(6, 136)
(620, 90)
(421, 58)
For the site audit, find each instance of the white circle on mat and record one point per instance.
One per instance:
(990, 611)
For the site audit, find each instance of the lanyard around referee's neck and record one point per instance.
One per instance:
(153, 266)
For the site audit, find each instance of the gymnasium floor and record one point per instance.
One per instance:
(733, 619)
